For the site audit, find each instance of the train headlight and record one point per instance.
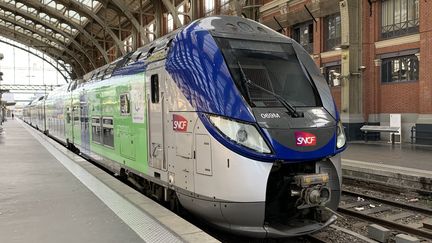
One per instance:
(341, 138)
(244, 134)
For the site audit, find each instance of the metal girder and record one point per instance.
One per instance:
(66, 49)
(173, 10)
(34, 43)
(51, 26)
(50, 55)
(31, 42)
(56, 14)
(126, 11)
(73, 5)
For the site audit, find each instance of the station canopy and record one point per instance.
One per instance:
(85, 34)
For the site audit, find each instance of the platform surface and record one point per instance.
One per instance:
(44, 199)
(406, 165)
(405, 155)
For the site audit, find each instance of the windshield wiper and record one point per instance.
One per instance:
(291, 110)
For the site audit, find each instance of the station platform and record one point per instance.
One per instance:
(405, 165)
(48, 194)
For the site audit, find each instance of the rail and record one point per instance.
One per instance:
(374, 214)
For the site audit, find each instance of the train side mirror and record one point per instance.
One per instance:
(1, 56)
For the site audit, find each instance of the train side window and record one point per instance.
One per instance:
(68, 115)
(155, 88)
(96, 130)
(76, 113)
(109, 71)
(124, 104)
(108, 131)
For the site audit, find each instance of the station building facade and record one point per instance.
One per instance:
(375, 54)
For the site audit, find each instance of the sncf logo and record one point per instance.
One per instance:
(305, 139)
(179, 123)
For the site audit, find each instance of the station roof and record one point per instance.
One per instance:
(85, 34)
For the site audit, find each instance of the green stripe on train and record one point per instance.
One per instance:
(129, 128)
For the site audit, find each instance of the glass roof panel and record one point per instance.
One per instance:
(76, 17)
(52, 4)
(91, 4)
(31, 10)
(60, 7)
(19, 5)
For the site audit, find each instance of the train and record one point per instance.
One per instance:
(224, 117)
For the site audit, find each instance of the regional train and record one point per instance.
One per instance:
(224, 117)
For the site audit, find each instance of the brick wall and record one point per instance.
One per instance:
(425, 85)
(336, 92)
(378, 97)
(399, 97)
(403, 97)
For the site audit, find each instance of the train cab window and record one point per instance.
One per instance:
(268, 66)
(108, 132)
(96, 130)
(124, 104)
(154, 88)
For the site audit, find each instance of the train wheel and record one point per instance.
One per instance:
(123, 175)
(175, 206)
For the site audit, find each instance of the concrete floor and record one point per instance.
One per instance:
(40, 201)
(405, 155)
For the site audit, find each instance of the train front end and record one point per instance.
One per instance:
(274, 130)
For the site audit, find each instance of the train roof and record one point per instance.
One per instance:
(222, 26)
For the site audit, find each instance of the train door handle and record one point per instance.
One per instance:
(156, 149)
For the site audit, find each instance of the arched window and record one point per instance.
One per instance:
(209, 7)
(180, 11)
(170, 23)
(224, 6)
(151, 30)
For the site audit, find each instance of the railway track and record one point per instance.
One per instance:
(397, 216)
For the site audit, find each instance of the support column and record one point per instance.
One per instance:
(424, 122)
(157, 5)
(195, 12)
(352, 88)
(376, 107)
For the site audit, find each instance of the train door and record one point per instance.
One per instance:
(155, 103)
(68, 119)
(85, 133)
(76, 117)
(68, 113)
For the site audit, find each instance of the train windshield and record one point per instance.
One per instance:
(269, 66)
